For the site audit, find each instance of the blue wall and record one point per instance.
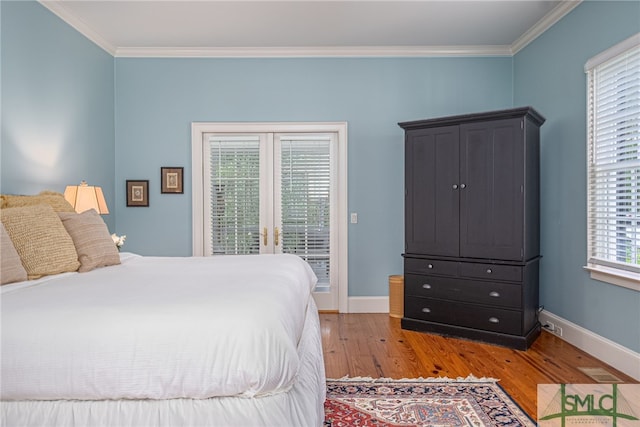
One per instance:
(157, 99)
(57, 106)
(58, 127)
(549, 74)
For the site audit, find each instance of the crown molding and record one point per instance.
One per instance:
(544, 24)
(313, 52)
(58, 9)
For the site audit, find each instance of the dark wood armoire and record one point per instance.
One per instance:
(472, 247)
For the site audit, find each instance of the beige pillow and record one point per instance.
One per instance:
(90, 235)
(55, 200)
(11, 269)
(41, 240)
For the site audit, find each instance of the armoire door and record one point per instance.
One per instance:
(492, 202)
(432, 191)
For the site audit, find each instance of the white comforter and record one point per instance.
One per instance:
(157, 328)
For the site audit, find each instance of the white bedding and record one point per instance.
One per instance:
(158, 328)
(301, 406)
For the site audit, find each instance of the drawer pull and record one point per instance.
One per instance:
(494, 320)
(489, 271)
(430, 266)
(426, 310)
(494, 294)
(426, 286)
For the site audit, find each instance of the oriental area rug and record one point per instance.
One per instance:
(442, 402)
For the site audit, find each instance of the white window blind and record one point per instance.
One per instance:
(234, 171)
(613, 112)
(305, 190)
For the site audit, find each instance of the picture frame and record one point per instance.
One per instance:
(172, 181)
(138, 193)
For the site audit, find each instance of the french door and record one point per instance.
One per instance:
(274, 192)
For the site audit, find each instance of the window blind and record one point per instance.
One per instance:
(305, 187)
(613, 112)
(235, 194)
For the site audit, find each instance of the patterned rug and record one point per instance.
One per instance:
(420, 402)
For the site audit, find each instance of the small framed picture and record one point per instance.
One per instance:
(137, 193)
(171, 178)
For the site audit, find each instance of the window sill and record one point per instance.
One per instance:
(614, 276)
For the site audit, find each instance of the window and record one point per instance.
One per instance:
(613, 120)
(305, 194)
(232, 195)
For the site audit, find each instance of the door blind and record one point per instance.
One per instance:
(234, 220)
(305, 191)
(614, 161)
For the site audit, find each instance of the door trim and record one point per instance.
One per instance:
(198, 129)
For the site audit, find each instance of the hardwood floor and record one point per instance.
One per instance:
(374, 345)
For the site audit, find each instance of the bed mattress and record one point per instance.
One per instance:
(228, 340)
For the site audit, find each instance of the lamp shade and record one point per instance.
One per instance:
(84, 197)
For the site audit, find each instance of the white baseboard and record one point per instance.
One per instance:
(368, 305)
(621, 358)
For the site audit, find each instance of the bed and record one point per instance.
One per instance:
(164, 341)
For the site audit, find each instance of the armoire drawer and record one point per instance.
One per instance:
(463, 314)
(491, 293)
(511, 273)
(431, 266)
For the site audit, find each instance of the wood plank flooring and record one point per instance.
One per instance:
(374, 345)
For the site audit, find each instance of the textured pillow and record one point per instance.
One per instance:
(11, 269)
(91, 237)
(41, 240)
(55, 200)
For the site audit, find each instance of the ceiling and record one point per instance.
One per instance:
(310, 28)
